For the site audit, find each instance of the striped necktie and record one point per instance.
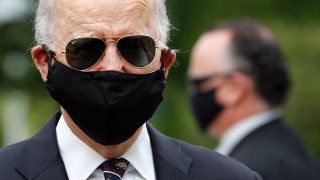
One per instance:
(114, 169)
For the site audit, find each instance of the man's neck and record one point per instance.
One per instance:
(108, 151)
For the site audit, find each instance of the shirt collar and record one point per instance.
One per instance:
(244, 127)
(140, 155)
(76, 154)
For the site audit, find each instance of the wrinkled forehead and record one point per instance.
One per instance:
(108, 15)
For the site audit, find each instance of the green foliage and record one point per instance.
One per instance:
(294, 22)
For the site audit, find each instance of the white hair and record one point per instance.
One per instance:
(163, 24)
(45, 23)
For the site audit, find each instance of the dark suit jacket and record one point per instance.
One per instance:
(276, 152)
(39, 158)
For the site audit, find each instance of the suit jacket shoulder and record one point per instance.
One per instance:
(8, 158)
(175, 159)
(276, 152)
(35, 158)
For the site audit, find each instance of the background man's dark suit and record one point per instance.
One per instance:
(39, 158)
(276, 145)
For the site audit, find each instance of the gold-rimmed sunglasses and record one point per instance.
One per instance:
(83, 53)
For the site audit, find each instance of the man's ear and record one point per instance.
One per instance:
(167, 59)
(40, 58)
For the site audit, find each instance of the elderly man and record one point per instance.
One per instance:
(105, 62)
(240, 81)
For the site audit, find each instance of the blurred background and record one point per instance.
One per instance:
(25, 104)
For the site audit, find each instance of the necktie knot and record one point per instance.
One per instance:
(114, 169)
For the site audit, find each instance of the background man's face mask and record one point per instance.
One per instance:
(203, 104)
(204, 107)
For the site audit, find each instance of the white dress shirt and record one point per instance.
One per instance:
(240, 130)
(82, 162)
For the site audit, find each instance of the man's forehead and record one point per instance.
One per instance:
(106, 2)
(77, 18)
(210, 53)
(104, 11)
(212, 45)
(112, 7)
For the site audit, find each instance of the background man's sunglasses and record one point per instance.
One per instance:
(83, 53)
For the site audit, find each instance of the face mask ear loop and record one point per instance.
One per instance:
(51, 55)
(167, 56)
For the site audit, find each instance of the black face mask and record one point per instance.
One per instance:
(204, 107)
(109, 106)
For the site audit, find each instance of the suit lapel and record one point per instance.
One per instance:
(40, 158)
(169, 161)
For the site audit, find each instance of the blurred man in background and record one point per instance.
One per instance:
(239, 82)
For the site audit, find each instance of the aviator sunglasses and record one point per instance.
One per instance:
(83, 53)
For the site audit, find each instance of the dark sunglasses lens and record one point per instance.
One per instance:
(195, 83)
(83, 53)
(137, 50)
